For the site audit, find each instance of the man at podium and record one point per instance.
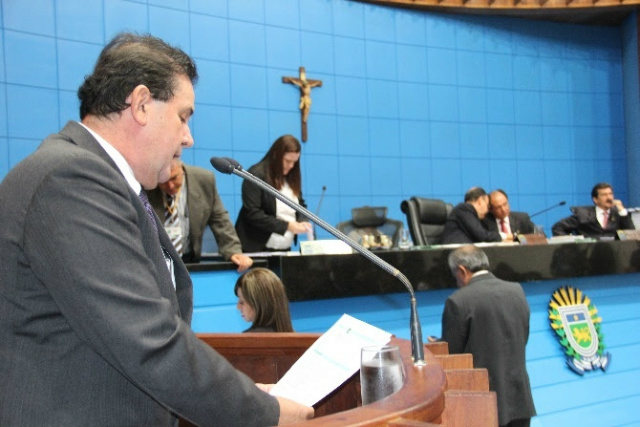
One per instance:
(95, 303)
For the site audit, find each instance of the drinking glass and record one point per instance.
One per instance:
(381, 372)
(405, 240)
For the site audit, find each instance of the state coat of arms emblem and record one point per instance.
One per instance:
(577, 325)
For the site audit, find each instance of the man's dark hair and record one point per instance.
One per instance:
(474, 194)
(130, 60)
(599, 186)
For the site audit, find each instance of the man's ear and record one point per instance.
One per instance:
(464, 275)
(139, 101)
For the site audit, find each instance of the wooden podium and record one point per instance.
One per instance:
(446, 392)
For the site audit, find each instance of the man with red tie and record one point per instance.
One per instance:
(600, 221)
(501, 219)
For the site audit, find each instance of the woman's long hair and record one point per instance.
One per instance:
(264, 292)
(274, 158)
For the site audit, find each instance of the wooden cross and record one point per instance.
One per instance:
(305, 86)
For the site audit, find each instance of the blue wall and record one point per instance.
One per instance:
(562, 398)
(412, 103)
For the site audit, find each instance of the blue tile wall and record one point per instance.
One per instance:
(124, 15)
(283, 13)
(31, 111)
(89, 29)
(212, 36)
(247, 10)
(3, 112)
(411, 103)
(208, 7)
(4, 156)
(77, 58)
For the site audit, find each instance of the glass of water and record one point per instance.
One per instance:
(381, 372)
(405, 240)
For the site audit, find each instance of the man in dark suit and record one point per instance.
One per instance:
(489, 318)
(191, 192)
(95, 303)
(600, 221)
(464, 223)
(500, 218)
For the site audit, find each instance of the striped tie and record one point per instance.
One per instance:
(172, 222)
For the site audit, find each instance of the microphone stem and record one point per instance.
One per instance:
(416, 333)
(545, 210)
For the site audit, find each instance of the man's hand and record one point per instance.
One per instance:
(242, 261)
(293, 412)
(618, 204)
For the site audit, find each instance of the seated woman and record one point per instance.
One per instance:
(263, 301)
(264, 222)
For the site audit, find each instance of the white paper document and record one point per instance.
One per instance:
(330, 361)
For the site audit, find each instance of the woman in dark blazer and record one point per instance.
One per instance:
(264, 223)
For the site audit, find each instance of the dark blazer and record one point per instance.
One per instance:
(257, 217)
(204, 207)
(585, 222)
(93, 332)
(489, 318)
(464, 226)
(519, 221)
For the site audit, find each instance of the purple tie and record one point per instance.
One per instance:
(152, 217)
(148, 208)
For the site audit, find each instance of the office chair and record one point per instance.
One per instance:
(371, 221)
(426, 218)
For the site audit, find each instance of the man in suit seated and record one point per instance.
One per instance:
(600, 221)
(501, 219)
(464, 223)
(187, 203)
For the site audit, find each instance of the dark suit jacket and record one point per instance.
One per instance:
(93, 332)
(257, 217)
(489, 318)
(204, 207)
(519, 221)
(464, 226)
(585, 222)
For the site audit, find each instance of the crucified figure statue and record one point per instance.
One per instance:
(305, 86)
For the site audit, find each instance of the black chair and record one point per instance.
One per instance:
(426, 218)
(371, 221)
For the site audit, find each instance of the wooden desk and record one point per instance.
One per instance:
(422, 401)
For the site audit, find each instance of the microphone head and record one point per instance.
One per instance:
(225, 164)
(562, 203)
(324, 188)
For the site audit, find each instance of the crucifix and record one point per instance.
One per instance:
(305, 86)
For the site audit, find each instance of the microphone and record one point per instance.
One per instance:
(324, 189)
(562, 203)
(230, 166)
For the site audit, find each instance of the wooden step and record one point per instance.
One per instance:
(467, 379)
(470, 409)
(438, 347)
(455, 361)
